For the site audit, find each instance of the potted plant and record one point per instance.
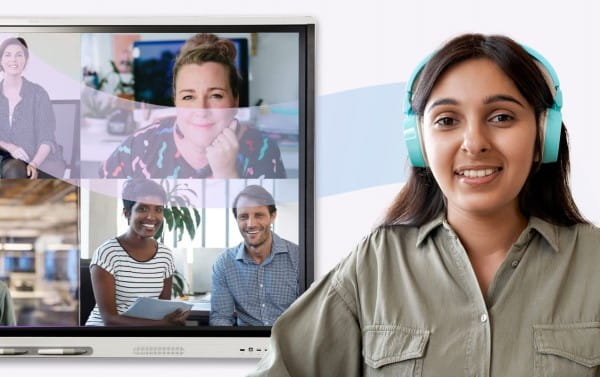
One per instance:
(181, 218)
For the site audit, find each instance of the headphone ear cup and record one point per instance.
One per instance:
(553, 127)
(413, 143)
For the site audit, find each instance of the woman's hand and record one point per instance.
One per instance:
(176, 318)
(32, 170)
(17, 152)
(222, 153)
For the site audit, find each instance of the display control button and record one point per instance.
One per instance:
(62, 351)
(12, 351)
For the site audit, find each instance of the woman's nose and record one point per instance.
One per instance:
(201, 109)
(476, 139)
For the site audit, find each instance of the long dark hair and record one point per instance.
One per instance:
(546, 193)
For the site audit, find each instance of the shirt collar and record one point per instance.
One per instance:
(427, 228)
(548, 231)
(277, 247)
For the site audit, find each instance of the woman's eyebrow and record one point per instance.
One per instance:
(442, 101)
(501, 98)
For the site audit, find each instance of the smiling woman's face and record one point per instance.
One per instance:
(204, 100)
(146, 216)
(13, 60)
(479, 134)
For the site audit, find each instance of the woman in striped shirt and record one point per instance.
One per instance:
(134, 264)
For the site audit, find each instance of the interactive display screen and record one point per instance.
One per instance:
(156, 179)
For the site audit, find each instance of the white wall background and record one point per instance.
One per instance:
(364, 44)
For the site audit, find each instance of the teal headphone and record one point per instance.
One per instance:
(552, 126)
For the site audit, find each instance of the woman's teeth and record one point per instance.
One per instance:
(477, 173)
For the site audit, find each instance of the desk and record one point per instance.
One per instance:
(200, 312)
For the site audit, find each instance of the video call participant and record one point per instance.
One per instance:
(204, 140)
(27, 145)
(484, 265)
(253, 283)
(7, 312)
(134, 264)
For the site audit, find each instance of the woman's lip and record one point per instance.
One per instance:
(477, 181)
(476, 167)
(203, 125)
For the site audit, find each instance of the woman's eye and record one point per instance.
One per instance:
(216, 96)
(187, 98)
(501, 118)
(444, 122)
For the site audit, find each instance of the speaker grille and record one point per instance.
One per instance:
(158, 351)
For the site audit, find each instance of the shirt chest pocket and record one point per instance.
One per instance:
(567, 350)
(393, 350)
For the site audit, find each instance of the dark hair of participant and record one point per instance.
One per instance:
(134, 189)
(546, 193)
(258, 195)
(204, 48)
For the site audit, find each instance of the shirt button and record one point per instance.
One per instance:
(261, 285)
(515, 263)
(263, 305)
(483, 318)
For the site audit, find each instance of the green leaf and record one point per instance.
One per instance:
(159, 232)
(197, 217)
(189, 223)
(181, 202)
(168, 217)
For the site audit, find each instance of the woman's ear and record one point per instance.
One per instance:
(126, 214)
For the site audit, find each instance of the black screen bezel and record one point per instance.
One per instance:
(306, 95)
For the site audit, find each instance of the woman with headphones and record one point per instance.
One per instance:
(484, 265)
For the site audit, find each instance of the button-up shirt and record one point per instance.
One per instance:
(256, 293)
(406, 302)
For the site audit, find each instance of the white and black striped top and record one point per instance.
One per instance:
(133, 278)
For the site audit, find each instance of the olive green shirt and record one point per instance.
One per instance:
(406, 302)
(7, 313)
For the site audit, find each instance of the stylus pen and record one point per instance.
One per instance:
(61, 351)
(12, 351)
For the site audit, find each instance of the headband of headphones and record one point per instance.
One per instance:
(552, 118)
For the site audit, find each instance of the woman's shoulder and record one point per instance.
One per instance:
(159, 129)
(34, 88)
(383, 237)
(148, 140)
(587, 234)
(162, 248)
(163, 251)
(382, 245)
(111, 245)
(253, 139)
